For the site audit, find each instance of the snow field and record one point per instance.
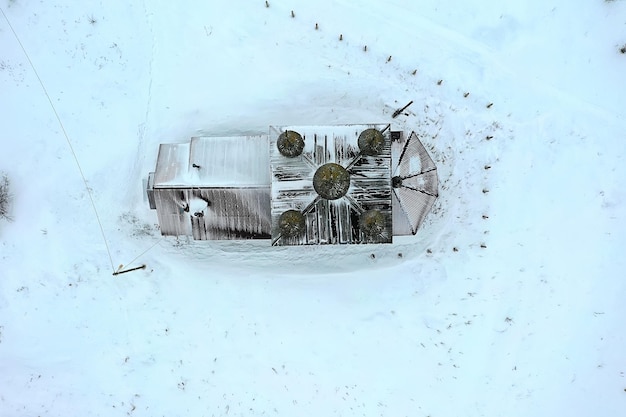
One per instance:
(528, 325)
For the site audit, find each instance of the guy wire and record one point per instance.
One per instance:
(69, 143)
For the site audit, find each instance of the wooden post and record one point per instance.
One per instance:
(397, 112)
(120, 271)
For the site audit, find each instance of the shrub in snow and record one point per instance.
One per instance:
(5, 198)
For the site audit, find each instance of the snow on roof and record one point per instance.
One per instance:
(172, 164)
(238, 161)
(329, 218)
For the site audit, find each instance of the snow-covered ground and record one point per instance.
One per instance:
(509, 302)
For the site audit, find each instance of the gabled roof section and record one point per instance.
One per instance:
(214, 162)
(172, 164)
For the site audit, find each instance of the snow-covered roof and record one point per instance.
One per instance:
(334, 219)
(237, 161)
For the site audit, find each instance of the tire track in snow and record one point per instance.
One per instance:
(462, 58)
(474, 52)
(150, 22)
(139, 169)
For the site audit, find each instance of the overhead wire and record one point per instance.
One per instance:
(69, 142)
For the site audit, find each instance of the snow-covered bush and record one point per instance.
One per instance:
(5, 197)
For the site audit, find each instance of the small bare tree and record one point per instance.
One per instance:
(5, 197)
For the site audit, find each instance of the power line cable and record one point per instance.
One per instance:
(69, 143)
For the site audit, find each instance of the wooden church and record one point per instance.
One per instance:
(299, 185)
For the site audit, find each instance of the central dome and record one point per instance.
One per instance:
(331, 181)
